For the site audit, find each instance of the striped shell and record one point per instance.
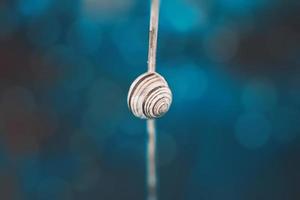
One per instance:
(149, 96)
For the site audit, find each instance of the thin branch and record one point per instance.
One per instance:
(151, 147)
(151, 161)
(153, 35)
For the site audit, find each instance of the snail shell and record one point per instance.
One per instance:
(149, 96)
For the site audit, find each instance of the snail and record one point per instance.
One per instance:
(149, 96)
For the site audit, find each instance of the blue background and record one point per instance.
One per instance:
(232, 132)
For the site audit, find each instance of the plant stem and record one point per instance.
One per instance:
(154, 18)
(151, 161)
(151, 147)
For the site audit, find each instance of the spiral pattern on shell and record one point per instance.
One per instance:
(149, 96)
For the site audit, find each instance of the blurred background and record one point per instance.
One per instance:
(233, 132)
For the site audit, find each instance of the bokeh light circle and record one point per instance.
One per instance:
(33, 7)
(285, 121)
(182, 16)
(133, 41)
(253, 130)
(259, 95)
(44, 32)
(186, 78)
(85, 35)
(54, 188)
(222, 44)
(106, 9)
(65, 67)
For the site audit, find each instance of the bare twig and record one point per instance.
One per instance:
(153, 35)
(151, 147)
(151, 161)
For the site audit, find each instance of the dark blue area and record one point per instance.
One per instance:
(232, 132)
